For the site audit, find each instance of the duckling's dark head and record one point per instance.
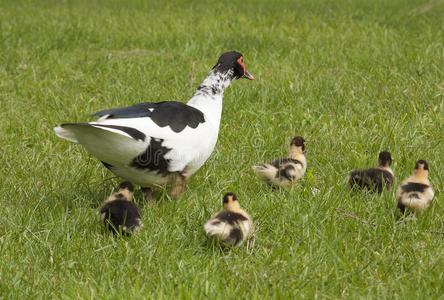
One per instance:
(298, 141)
(385, 159)
(233, 61)
(230, 201)
(421, 165)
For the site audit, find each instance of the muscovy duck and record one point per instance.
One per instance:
(285, 171)
(415, 193)
(374, 178)
(231, 225)
(160, 143)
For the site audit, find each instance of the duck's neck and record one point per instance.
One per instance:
(209, 94)
(421, 176)
(295, 152)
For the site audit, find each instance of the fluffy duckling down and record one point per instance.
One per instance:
(285, 171)
(415, 192)
(231, 225)
(119, 213)
(374, 178)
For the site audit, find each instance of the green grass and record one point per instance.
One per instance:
(352, 77)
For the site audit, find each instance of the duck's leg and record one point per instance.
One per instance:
(180, 182)
(147, 192)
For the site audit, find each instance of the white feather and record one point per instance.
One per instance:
(221, 230)
(65, 134)
(265, 171)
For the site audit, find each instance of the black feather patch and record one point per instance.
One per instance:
(415, 195)
(119, 213)
(153, 158)
(373, 179)
(414, 187)
(401, 206)
(126, 185)
(230, 217)
(107, 165)
(236, 234)
(285, 172)
(176, 115)
(132, 132)
(277, 163)
(229, 61)
(422, 162)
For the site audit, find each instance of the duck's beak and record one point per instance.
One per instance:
(248, 76)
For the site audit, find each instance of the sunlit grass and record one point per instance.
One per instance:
(352, 77)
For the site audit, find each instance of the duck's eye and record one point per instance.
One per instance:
(240, 61)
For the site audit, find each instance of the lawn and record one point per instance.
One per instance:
(352, 77)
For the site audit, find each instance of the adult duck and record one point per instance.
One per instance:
(160, 143)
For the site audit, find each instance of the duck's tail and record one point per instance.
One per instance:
(266, 172)
(228, 234)
(65, 134)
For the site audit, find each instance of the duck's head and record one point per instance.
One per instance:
(298, 143)
(421, 167)
(385, 159)
(230, 202)
(232, 61)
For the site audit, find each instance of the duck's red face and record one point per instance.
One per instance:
(247, 75)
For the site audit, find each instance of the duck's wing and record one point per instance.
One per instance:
(175, 115)
(162, 135)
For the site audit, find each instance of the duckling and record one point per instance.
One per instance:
(231, 225)
(374, 178)
(285, 171)
(119, 213)
(415, 193)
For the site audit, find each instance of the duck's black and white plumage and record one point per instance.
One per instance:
(231, 225)
(374, 178)
(119, 214)
(415, 193)
(285, 171)
(165, 142)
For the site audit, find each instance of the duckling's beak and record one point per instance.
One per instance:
(248, 76)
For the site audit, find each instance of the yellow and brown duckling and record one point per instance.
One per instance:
(285, 171)
(415, 193)
(119, 214)
(374, 178)
(231, 225)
